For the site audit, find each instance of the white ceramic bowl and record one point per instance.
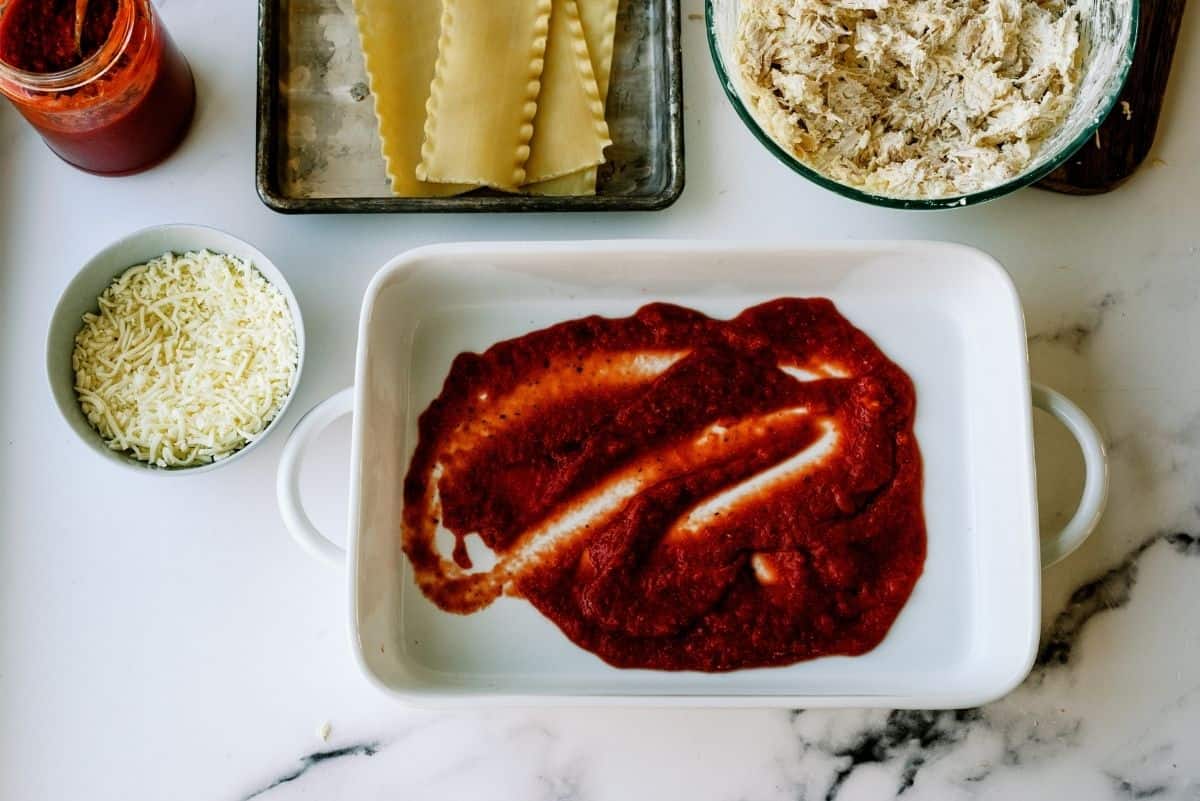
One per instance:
(81, 295)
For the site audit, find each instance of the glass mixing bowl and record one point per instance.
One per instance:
(1109, 32)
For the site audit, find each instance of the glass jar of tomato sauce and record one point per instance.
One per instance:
(111, 95)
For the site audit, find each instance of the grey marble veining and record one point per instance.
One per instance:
(846, 754)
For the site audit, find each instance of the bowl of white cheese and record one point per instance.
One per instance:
(923, 104)
(174, 350)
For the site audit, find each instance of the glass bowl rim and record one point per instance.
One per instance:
(954, 202)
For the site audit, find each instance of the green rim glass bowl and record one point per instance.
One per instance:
(1109, 33)
(81, 295)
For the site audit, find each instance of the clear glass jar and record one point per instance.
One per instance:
(120, 109)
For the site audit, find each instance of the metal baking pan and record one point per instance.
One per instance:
(318, 147)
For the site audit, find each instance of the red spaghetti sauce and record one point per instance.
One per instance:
(118, 103)
(677, 492)
(39, 35)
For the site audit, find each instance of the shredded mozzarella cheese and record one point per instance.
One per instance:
(189, 359)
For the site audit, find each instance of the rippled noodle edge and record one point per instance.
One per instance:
(583, 182)
(384, 112)
(533, 86)
(586, 74)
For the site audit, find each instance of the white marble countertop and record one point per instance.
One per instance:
(165, 638)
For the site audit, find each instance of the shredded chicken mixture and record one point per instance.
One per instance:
(911, 98)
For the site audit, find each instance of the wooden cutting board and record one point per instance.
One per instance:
(1126, 136)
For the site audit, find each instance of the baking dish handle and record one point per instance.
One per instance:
(1095, 481)
(287, 482)
(1054, 548)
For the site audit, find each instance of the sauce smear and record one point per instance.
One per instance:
(677, 492)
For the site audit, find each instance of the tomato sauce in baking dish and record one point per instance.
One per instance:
(677, 492)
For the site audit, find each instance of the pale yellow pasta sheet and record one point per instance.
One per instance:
(400, 44)
(483, 98)
(569, 131)
(599, 20)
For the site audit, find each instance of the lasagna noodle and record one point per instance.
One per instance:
(484, 94)
(599, 20)
(569, 131)
(399, 42)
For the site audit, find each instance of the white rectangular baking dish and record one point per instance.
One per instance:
(948, 314)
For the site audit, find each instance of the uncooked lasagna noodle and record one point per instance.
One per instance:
(483, 97)
(599, 20)
(400, 46)
(569, 131)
